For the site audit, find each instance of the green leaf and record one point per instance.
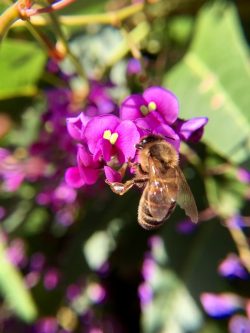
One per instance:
(213, 80)
(14, 290)
(21, 64)
(172, 308)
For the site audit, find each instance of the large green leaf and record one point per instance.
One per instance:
(213, 80)
(14, 290)
(21, 64)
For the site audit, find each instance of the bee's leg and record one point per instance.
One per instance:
(123, 169)
(120, 188)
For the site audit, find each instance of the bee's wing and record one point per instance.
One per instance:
(185, 197)
(159, 195)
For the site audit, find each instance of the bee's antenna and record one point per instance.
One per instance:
(169, 137)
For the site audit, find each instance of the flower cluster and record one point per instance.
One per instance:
(106, 141)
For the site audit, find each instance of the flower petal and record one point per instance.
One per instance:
(96, 127)
(192, 129)
(166, 102)
(85, 158)
(73, 177)
(107, 150)
(75, 126)
(111, 174)
(130, 107)
(220, 305)
(128, 136)
(89, 175)
(239, 324)
(232, 267)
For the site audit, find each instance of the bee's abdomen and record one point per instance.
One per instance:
(147, 221)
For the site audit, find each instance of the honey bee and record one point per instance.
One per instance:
(164, 184)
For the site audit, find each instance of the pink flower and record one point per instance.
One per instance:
(221, 305)
(108, 136)
(156, 104)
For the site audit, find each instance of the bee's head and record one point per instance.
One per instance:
(150, 139)
(145, 140)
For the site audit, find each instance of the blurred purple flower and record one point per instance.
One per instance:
(235, 222)
(46, 325)
(221, 305)
(243, 175)
(232, 267)
(16, 252)
(76, 125)
(134, 66)
(37, 261)
(51, 278)
(96, 292)
(186, 226)
(14, 170)
(145, 293)
(148, 268)
(73, 290)
(239, 324)
(32, 279)
(2, 212)
(99, 99)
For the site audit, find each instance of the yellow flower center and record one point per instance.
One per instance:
(146, 109)
(152, 106)
(111, 137)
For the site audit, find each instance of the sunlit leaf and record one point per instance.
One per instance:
(213, 80)
(21, 64)
(14, 290)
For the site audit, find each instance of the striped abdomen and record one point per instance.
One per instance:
(158, 201)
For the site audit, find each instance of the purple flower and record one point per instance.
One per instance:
(47, 325)
(220, 305)
(111, 174)
(235, 222)
(37, 261)
(99, 99)
(73, 291)
(96, 292)
(190, 130)
(16, 252)
(133, 66)
(239, 324)
(243, 175)
(76, 125)
(2, 213)
(232, 267)
(87, 170)
(186, 226)
(51, 279)
(107, 137)
(156, 104)
(145, 293)
(105, 142)
(149, 268)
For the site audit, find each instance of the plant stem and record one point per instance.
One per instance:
(242, 245)
(9, 16)
(44, 42)
(112, 17)
(63, 41)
